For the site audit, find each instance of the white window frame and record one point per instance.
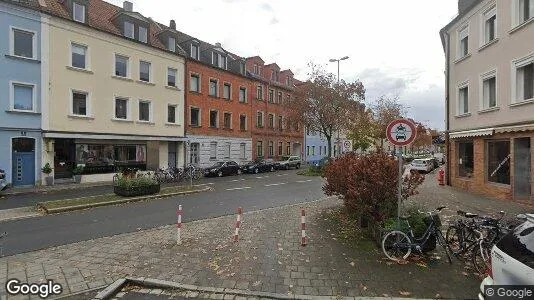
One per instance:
(484, 17)
(12, 42)
(216, 121)
(246, 122)
(145, 37)
(199, 82)
(243, 150)
(199, 116)
(245, 100)
(169, 70)
(150, 111)
(211, 150)
(459, 106)
(126, 23)
(217, 87)
(262, 119)
(484, 77)
(274, 121)
(516, 17)
(128, 108)
(462, 32)
(231, 120)
(176, 120)
(149, 70)
(171, 45)
(74, 4)
(87, 60)
(88, 106)
(128, 66)
(197, 51)
(516, 64)
(12, 96)
(230, 86)
(255, 69)
(227, 150)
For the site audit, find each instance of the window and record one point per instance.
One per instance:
(23, 43)
(271, 96)
(219, 60)
(271, 121)
(279, 99)
(288, 99)
(144, 111)
(195, 116)
(227, 91)
(242, 95)
(79, 56)
(227, 150)
(255, 69)
(259, 149)
(463, 42)
(214, 88)
(463, 100)
(194, 83)
(195, 51)
(260, 92)
(171, 114)
(288, 148)
(79, 103)
(308, 150)
(280, 148)
(243, 123)
(243, 150)
(194, 153)
(498, 161)
(242, 68)
(525, 10)
(78, 12)
(227, 120)
(313, 150)
(259, 120)
(171, 77)
(320, 150)
(288, 81)
(121, 65)
(171, 44)
(297, 126)
(271, 148)
(129, 30)
(143, 34)
(280, 122)
(489, 25)
(214, 119)
(465, 159)
(23, 97)
(213, 150)
(524, 82)
(489, 91)
(144, 71)
(121, 108)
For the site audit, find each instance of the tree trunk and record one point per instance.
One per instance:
(329, 142)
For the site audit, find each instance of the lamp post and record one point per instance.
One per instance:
(338, 60)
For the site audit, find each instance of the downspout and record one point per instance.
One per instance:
(447, 110)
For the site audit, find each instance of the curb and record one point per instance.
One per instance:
(41, 207)
(12, 192)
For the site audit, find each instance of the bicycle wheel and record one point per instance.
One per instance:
(454, 239)
(480, 258)
(197, 174)
(396, 245)
(443, 243)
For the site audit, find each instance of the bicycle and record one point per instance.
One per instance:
(193, 172)
(397, 245)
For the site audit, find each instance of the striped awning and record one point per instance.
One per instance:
(471, 133)
(518, 128)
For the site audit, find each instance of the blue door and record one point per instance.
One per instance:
(23, 172)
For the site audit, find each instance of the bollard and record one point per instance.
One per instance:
(179, 226)
(238, 224)
(303, 241)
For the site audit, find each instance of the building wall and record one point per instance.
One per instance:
(235, 150)
(313, 139)
(103, 86)
(513, 43)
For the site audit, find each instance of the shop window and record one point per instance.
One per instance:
(465, 159)
(498, 153)
(97, 158)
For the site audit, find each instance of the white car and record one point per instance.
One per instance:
(422, 164)
(512, 260)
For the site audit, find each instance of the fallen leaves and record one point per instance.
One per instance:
(352, 264)
(405, 293)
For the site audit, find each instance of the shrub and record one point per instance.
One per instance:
(47, 169)
(130, 183)
(368, 184)
(416, 220)
(78, 170)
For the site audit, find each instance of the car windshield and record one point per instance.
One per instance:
(284, 158)
(218, 164)
(419, 161)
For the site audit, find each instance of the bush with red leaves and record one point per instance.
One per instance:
(368, 184)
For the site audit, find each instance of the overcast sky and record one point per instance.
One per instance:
(394, 46)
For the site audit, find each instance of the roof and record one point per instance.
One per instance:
(456, 19)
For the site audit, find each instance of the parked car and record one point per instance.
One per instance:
(259, 166)
(512, 258)
(287, 162)
(3, 181)
(422, 165)
(435, 162)
(223, 168)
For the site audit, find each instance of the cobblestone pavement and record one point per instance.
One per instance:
(267, 258)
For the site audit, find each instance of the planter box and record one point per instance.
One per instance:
(137, 191)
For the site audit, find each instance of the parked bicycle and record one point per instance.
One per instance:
(193, 171)
(397, 245)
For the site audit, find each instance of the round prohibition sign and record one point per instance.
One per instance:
(401, 132)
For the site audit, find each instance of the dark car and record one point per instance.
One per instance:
(287, 162)
(223, 168)
(259, 166)
(3, 182)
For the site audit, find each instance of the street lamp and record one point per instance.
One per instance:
(338, 60)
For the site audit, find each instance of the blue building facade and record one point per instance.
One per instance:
(20, 94)
(316, 147)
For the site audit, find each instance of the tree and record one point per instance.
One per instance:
(362, 130)
(423, 138)
(326, 105)
(386, 110)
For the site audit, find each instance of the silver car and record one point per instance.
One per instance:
(422, 164)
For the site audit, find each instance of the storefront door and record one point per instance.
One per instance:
(64, 158)
(522, 186)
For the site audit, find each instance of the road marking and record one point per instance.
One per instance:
(211, 183)
(304, 181)
(239, 188)
(236, 180)
(282, 175)
(273, 184)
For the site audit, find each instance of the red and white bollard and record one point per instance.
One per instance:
(179, 225)
(238, 224)
(303, 241)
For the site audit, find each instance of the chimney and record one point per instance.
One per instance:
(127, 6)
(218, 45)
(463, 5)
(172, 25)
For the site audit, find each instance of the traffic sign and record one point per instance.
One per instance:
(347, 146)
(401, 132)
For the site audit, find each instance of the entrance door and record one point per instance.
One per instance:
(64, 158)
(194, 153)
(522, 188)
(23, 158)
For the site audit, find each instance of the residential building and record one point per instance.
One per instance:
(274, 134)
(490, 98)
(218, 112)
(316, 145)
(116, 91)
(22, 65)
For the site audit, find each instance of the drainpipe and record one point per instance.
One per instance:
(447, 110)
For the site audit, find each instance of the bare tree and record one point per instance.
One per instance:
(386, 110)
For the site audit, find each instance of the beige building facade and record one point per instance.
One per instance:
(490, 98)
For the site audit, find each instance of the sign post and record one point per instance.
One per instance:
(400, 133)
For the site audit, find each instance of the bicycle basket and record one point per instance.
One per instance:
(433, 217)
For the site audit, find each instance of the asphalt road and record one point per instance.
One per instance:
(252, 192)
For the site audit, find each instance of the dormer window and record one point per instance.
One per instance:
(143, 34)
(195, 51)
(219, 60)
(288, 81)
(172, 44)
(256, 69)
(78, 12)
(129, 30)
(242, 68)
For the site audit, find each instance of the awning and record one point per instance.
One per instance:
(518, 128)
(471, 133)
(95, 136)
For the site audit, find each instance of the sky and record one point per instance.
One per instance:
(393, 46)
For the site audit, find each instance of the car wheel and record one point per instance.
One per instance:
(298, 166)
(256, 171)
(220, 174)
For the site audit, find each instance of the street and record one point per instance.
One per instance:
(252, 192)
